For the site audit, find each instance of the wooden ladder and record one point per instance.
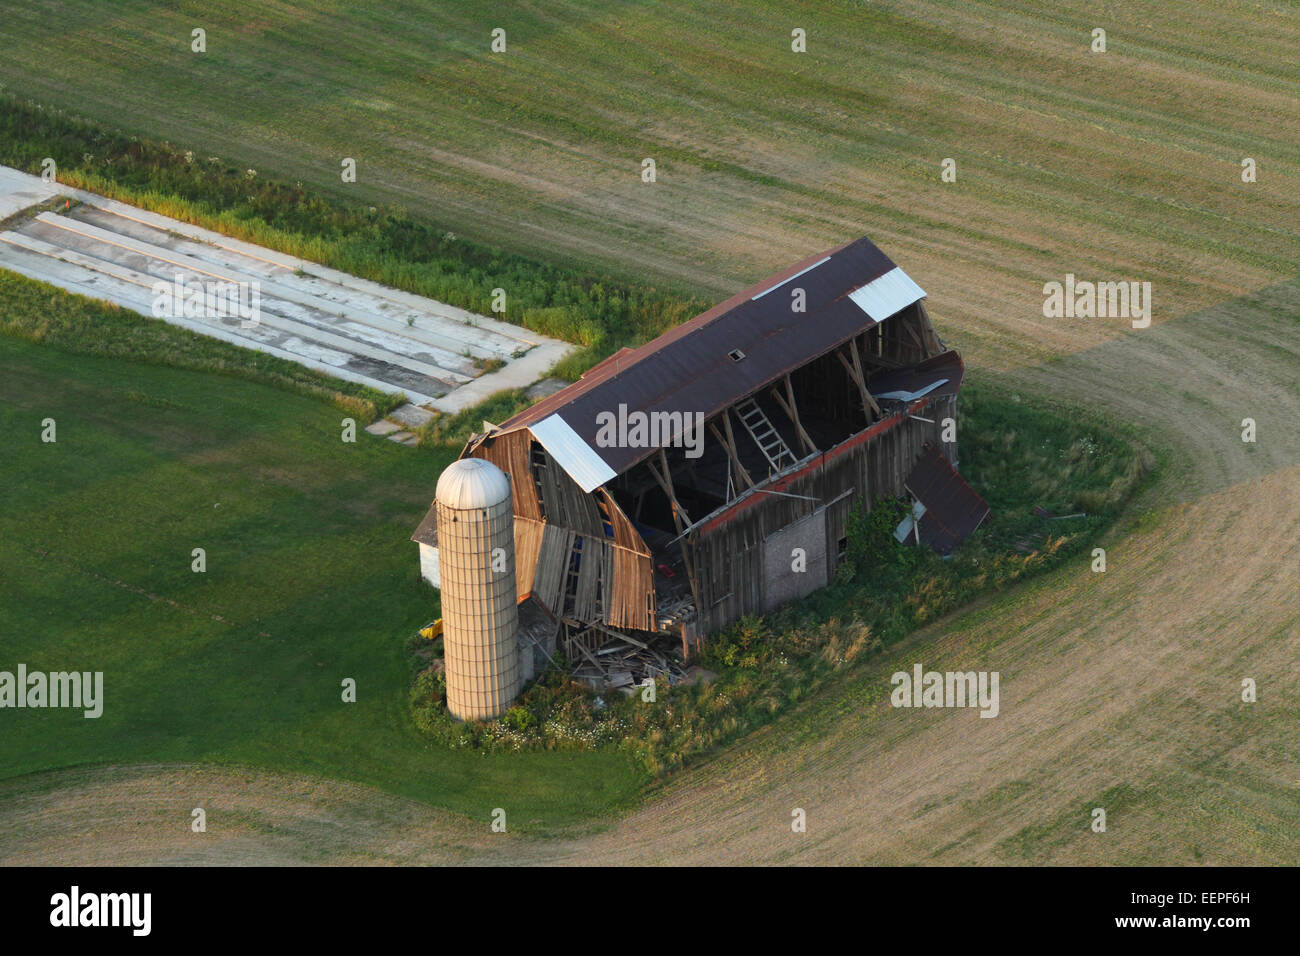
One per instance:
(765, 435)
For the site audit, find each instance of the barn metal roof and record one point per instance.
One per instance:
(722, 355)
(952, 508)
(582, 462)
(938, 375)
(427, 532)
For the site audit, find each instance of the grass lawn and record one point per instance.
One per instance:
(310, 579)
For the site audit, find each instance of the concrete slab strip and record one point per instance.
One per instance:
(322, 318)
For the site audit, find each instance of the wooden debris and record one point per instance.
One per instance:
(606, 658)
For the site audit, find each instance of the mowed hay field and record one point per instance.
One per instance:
(1119, 690)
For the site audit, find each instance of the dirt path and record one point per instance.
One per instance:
(142, 815)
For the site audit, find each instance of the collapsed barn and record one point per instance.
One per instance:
(710, 473)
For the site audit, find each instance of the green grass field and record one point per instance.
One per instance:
(311, 578)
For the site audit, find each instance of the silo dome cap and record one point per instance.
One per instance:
(472, 483)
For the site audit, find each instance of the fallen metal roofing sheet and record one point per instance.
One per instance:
(938, 376)
(953, 509)
(908, 525)
(690, 370)
(911, 396)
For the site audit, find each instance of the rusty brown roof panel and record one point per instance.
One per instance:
(953, 509)
(937, 376)
(689, 369)
(427, 532)
(618, 357)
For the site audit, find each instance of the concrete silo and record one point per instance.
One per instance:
(476, 548)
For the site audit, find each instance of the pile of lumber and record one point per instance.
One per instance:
(673, 611)
(609, 659)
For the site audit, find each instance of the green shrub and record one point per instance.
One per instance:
(520, 719)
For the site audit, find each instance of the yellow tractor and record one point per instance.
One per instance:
(432, 630)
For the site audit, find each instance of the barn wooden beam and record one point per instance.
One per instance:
(907, 326)
(862, 375)
(732, 446)
(729, 444)
(889, 344)
(666, 483)
(682, 527)
(848, 367)
(867, 355)
(855, 372)
(575, 639)
(932, 339)
(871, 349)
(619, 634)
(792, 412)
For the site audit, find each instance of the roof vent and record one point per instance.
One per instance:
(735, 355)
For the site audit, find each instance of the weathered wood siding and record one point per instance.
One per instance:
(615, 581)
(730, 555)
(528, 545)
(509, 452)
